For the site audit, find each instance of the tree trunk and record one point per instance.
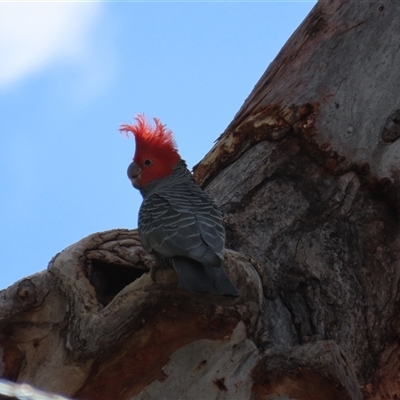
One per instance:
(307, 175)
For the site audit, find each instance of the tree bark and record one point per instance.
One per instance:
(307, 175)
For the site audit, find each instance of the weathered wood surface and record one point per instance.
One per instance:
(307, 175)
(77, 329)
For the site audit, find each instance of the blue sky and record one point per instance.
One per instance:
(71, 73)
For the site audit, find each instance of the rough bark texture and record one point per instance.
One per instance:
(307, 175)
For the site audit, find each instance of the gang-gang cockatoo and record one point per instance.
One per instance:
(178, 222)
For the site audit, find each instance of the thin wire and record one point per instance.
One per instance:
(25, 392)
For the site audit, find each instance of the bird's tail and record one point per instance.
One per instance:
(195, 277)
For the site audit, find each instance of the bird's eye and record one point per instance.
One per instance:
(147, 162)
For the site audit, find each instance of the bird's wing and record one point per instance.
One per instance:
(210, 222)
(185, 223)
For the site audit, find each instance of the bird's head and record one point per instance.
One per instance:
(155, 155)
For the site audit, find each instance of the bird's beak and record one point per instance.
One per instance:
(134, 172)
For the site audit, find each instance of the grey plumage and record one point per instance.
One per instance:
(180, 223)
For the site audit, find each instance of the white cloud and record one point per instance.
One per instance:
(34, 36)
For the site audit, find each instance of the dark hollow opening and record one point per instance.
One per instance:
(109, 279)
